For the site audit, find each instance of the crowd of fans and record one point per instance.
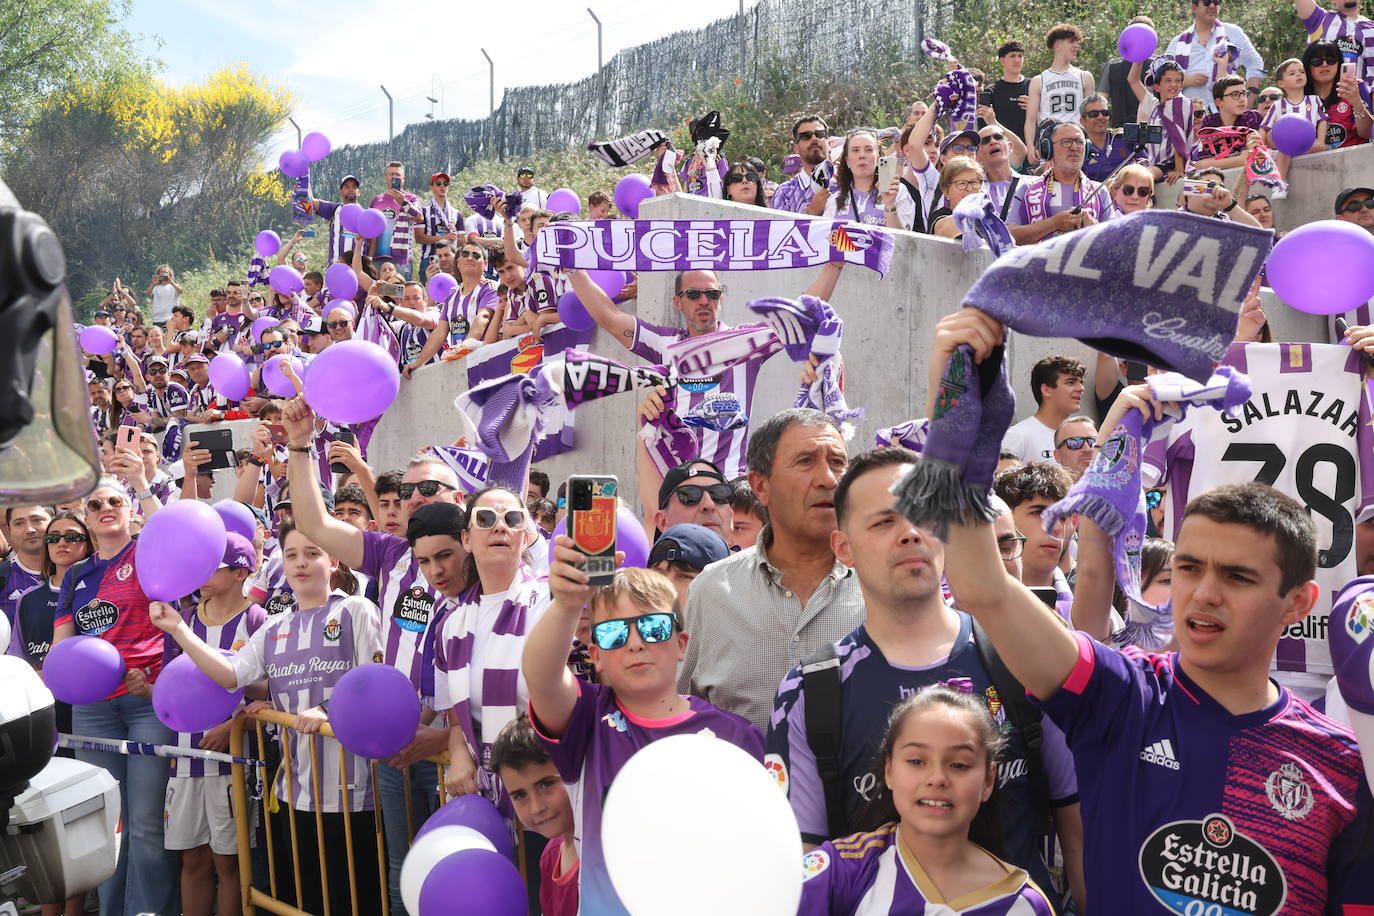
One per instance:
(879, 672)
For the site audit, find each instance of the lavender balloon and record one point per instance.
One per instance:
(630, 191)
(610, 281)
(1137, 42)
(179, 550)
(371, 223)
(99, 340)
(293, 163)
(238, 518)
(83, 669)
(267, 243)
(484, 881)
(441, 286)
(1309, 268)
(315, 146)
(262, 324)
(564, 200)
(285, 280)
(573, 313)
(1293, 134)
(341, 281)
(276, 381)
(475, 812)
(186, 700)
(374, 710)
(348, 216)
(229, 376)
(630, 537)
(352, 382)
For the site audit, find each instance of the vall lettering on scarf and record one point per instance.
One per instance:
(744, 244)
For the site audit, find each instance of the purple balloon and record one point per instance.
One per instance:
(230, 377)
(573, 313)
(267, 243)
(561, 527)
(83, 669)
(179, 550)
(276, 381)
(238, 518)
(481, 879)
(630, 537)
(352, 382)
(1309, 268)
(610, 281)
(293, 163)
(186, 700)
(374, 710)
(630, 191)
(1293, 134)
(341, 281)
(471, 811)
(441, 286)
(1137, 42)
(371, 223)
(99, 340)
(262, 324)
(564, 200)
(348, 216)
(315, 146)
(285, 280)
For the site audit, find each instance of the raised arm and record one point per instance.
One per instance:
(208, 660)
(1133, 80)
(823, 287)
(553, 689)
(917, 141)
(606, 313)
(1096, 578)
(1304, 8)
(513, 252)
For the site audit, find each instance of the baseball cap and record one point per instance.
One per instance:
(197, 358)
(156, 360)
(347, 178)
(969, 135)
(260, 514)
(1341, 198)
(437, 175)
(102, 313)
(238, 553)
(524, 170)
(313, 325)
(698, 467)
(694, 545)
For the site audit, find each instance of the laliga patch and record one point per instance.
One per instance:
(1360, 617)
(777, 769)
(814, 862)
(1210, 867)
(412, 609)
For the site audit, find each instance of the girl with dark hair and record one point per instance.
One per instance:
(857, 194)
(1346, 100)
(744, 185)
(933, 830)
(66, 541)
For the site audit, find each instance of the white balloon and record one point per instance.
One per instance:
(698, 799)
(429, 849)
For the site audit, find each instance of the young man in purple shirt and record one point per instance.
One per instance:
(1205, 786)
(591, 730)
(402, 211)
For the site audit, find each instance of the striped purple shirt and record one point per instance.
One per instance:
(795, 194)
(409, 607)
(439, 221)
(400, 223)
(340, 242)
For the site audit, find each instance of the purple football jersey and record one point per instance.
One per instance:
(409, 607)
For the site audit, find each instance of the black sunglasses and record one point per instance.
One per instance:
(991, 138)
(804, 135)
(1142, 191)
(695, 294)
(162, 371)
(427, 488)
(442, 184)
(469, 253)
(1077, 443)
(614, 634)
(71, 537)
(265, 346)
(742, 176)
(334, 325)
(1325, 61)
(1354, 206)
(689, 494)
(1097, 114)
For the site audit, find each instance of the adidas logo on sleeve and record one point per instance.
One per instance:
(1161, 753)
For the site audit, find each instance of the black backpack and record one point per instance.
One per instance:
(825, 727)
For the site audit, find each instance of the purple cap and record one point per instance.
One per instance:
(968, 135)
(238, 553)
(197, 358)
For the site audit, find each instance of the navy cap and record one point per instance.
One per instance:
(694, 545)
(676, 477)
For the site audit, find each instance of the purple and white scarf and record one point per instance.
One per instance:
(956, 95)
(628, 150)
(373, 328)
(744, 244)
(934, 47)
(481, 198)
(1110, 493)
(1176, 117)
(809, 327)
(469, 465)
(506, 417)
(909, 435)
(977, 218)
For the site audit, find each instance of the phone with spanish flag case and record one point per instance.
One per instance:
(591, 524)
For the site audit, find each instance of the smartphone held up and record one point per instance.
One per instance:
(592, 508)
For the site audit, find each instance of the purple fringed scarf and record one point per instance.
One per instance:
(257, 272)
(809, 327)
(976, 216)
(469, 465)
(628, 150)
(956, 95)
(1109, 492)
(506, 417)
(373, 328)
(481, 198)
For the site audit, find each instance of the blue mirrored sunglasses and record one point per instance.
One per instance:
(613, 634)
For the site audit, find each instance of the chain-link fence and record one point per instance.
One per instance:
(644, 85)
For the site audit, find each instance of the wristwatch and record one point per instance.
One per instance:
(1231, 206)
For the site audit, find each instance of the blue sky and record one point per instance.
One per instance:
(330, 55)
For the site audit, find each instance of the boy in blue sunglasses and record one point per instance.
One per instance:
(591, 730)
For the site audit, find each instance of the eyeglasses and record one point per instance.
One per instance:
(335, 325)
(696, 294)
(614, 634)
(265, 346)
(689, 494)
(1237, 94)
(1010, 546)
(1354, 206)
(71, 537)
(484, 517)
(1142, 191)
(987, 139)
(442, 184)
(804, 135)
(475, 255)
(1325, 61)
(1070, 143)
(961, 148)
(427, 488)
(255, 299)
(1098, 113)
(742, 176)
(1077, 443)
(162, 371)
(114, 502)
(1153, 498)
(967, 184)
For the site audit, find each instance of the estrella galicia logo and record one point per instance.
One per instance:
(1210, 867)
(96, 617)
(280, 603)
(705, 383)
(412, 610)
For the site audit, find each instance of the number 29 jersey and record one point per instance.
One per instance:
(1305, 431)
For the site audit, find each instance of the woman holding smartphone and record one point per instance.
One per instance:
(1331, 78)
